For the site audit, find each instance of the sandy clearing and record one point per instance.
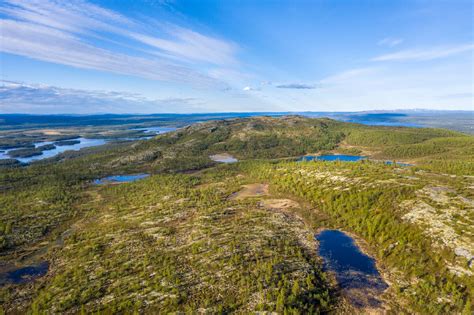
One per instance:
(251, 190)
(279, 204)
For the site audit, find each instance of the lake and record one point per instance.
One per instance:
(355, 272)
(344, 158)
(335, 157)
(380, 119)
(156, 130)
(84, 143)
(120, 179)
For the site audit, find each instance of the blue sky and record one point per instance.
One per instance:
(217, 56)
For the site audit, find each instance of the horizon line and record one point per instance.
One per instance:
(247, 112)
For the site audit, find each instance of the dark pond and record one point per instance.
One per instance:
(335, 157)
(356, 273)
(120, 179)
(24, 274)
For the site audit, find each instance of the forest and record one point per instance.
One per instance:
(178, 241)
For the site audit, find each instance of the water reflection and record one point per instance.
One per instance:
(24, 274)
(120, 179)
(330, 157)
(84, 143)
(356, 272)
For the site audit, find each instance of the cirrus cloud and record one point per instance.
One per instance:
(78, 34)
(425, 54)
(390, 41)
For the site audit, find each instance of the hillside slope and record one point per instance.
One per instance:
(293, 136)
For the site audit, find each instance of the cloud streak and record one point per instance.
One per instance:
(390, 41)
(296, 86)
(75, 34)
(250, 88)
(18, 97)
(425, 54)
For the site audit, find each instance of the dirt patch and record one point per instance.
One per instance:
(251, 190)
(51, 132)
(279, 204)
(47, 132)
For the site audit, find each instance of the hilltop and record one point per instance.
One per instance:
(293, 136)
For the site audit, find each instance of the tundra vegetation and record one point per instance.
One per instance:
(198, 235)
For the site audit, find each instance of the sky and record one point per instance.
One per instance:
(160, 56)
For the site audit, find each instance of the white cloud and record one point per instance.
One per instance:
(16, 97)
(75, 34)
(76, 17)
(190, 45)
(425, 54)
(249, 88)
(52, 45)
(390, 41)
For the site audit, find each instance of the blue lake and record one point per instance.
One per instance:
(380, 119)
(24, 274)
(156, 130)
(84, 143)
(344, 158)
(335, 157)
(120, 179)
(355, 272)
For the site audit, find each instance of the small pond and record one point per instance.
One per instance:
(355, 272)
(24, 274)
(335, 157)
(120, 179)
(398, 163)
(223, 158)
(344, 158)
